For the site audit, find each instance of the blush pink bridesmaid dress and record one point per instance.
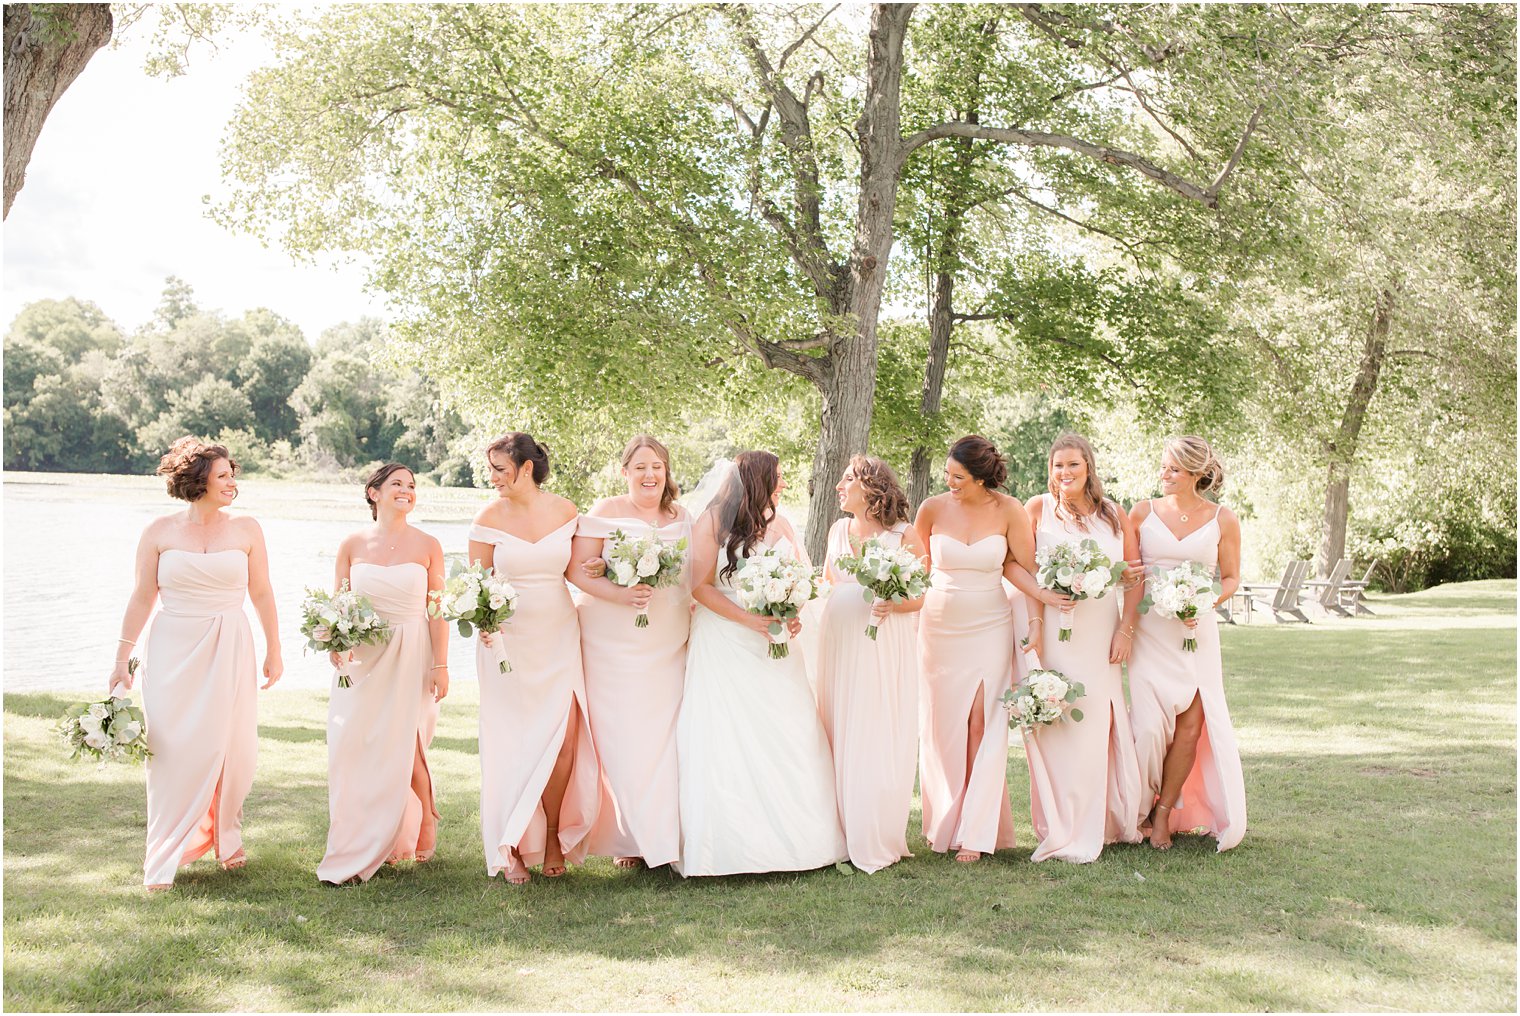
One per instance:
(1084, 782)
(525, 713)
(378, 733)
(868, 700)
(965, 646)
(1163, 681)
(199, 687)
(634, 680)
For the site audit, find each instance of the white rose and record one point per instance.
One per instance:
(97, 739)
(1065, 574)
(649, 563)
(1097, 580)
(624, 572)
(99, 711)
(775, 590)
(90, 724)
(799, 595)
(130, 730)
(496, 602)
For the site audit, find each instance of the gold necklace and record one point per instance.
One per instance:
(1183, 515)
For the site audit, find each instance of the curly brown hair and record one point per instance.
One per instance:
(885, 500)
(186, 468)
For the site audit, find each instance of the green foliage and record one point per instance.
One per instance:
(79, 398)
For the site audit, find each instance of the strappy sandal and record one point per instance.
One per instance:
(236, 861)
(967, 856)
(1159, 821)
(628, 863)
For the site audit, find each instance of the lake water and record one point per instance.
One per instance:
(70, 541)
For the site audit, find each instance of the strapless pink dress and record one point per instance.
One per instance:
(199, 688)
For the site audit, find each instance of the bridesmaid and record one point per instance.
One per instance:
(198, 670)
(379, 789)
(1084, 782)
(976, 536)
(634, 676)
(1189, 761)
(539, 777)
(868, 691)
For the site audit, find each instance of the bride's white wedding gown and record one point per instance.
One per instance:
(756, 776)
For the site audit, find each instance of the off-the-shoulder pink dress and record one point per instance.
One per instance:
(525, 713)
(634, 680)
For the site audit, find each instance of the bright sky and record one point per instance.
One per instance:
(113, 200)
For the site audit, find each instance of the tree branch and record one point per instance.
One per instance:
(1229, 167)
(1041, 139)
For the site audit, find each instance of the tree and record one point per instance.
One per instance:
(341, 409)
(46, 46)
(72, 327)
(269, 374)
(1397, 298)
(532, 182)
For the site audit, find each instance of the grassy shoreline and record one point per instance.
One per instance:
(1378, 872)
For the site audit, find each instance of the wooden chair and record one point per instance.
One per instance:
(1281, 598)
(1353, 593)
(1329, 595)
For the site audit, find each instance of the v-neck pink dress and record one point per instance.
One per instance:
(525, 713)
(1084, 782)
(868, 700)
(1163, 681)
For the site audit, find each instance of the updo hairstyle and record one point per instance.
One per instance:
(378, 477)
(885, 500)
(1193, 455)
(522, 449)
(186, 469)
(981, 459)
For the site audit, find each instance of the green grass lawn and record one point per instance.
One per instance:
(1378, 872)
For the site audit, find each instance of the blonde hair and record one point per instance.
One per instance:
(1103, 508)
(1193, 455)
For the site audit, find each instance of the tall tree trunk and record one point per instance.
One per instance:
(1340, 451)
(940, 325)
(848, 387)
(46, 46)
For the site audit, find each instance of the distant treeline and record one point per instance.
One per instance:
(81, 396)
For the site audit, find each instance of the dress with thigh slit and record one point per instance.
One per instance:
(1164, 679)
(1084, 782)
(379, 789)
(525, 712)
(965, 654)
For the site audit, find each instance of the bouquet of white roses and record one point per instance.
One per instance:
(776, 587)
(1078, 568)
(474, 597)
(885, 573)
(644, 560)
(1181, 593)
(113, 730)
(338, 623)
(1042, 698)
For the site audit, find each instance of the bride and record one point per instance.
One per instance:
(756, 778)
